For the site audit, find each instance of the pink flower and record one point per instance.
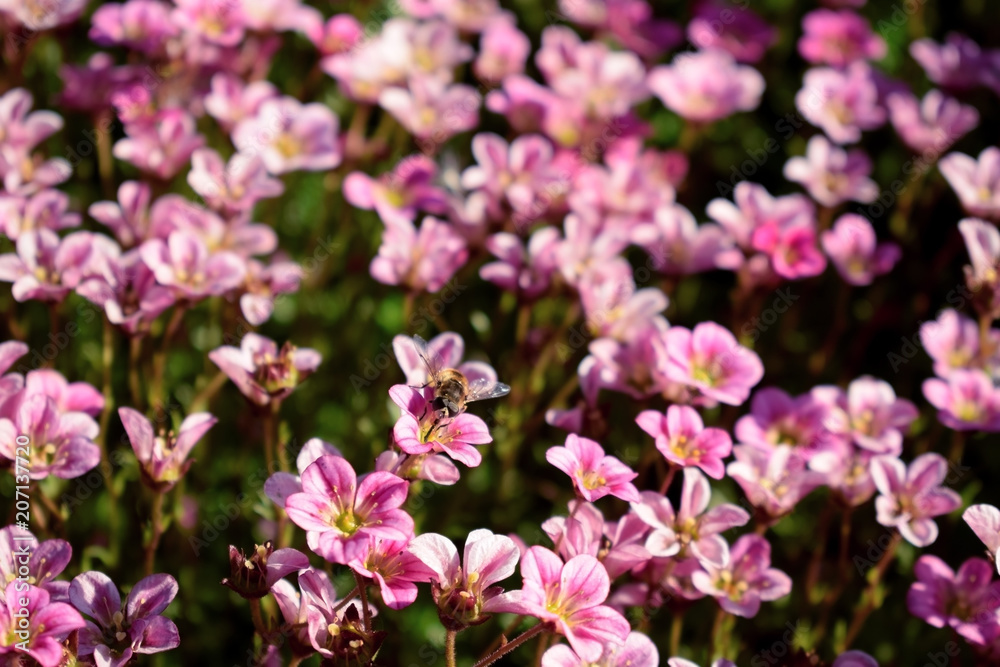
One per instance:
(930, 125)
(873, 416)
(957, 63)
(128, 218)
(517, 175)
(774, 480)
(215, 21)
(464, 594)
(262, 372)
(526, 271)
(792, 250)
(692, 531)
(779, 419)
(841, 103)
(709, 360)
(163, 459)
(966, 600)
(976, 182)
(231, 188)
(831, 174)
(744, 34)
(339, 34)
(344, 513)
(594, 474)
(982, 241)
(678, 245)
(183, 262)
(419, 259)
(966, 401)
(252, 577)
(61, 442)
(46, 267)
(683, 440)
(503, 50)
(911, 496)
(44, 562)
(394, 568)
(264, 285)
(46, 625)
(282, 484)
(290, 136)
(851, 244)
(617, 544)
(447, 348)
(637, 651)
(400, 194)
(753, 207)
(46, 209)
(127, 291)
(232, 100)
(952, 341)
(141, 25)
(432, 110)
(838, 38)
(69, 397)
(746, 579)
(848, 472)
(984, 520)
(419, 430)
(612, 305)
(706, 85)
(569, 596)
(161, 148)
(436, 468)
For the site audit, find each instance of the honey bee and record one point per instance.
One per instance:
(452, 390)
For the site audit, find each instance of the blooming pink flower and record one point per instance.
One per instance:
(163, 459)
(612, 305)
(982, 241)
(140, 25)
(746, 579)
(831, 174)
(183, 262)
(394, 568)
(128, 218)
(569, 595)
(234, 187)
(753, 207)
(339, 34)
(345, 513)
(290, 136)
(841, 103)
(163, 147)
(526, 271)
(447, 348)
(617, 544)
(61, 442)
(744, 34)
(630, 23)
(264, 284)
(711, 361)
(127, 291)
(774, 480)
(966, 401)
(692, 531)
(419, 430)
(683, 440)
(46, 625)
(873, 416)
(957, 63)
(46, 209)
(463, 594)
(232, 100)
(966, 600)
(984, 520)
(400, 194)
(910, 497)
(503, 50)
(46, 267)
(838, 38)
(68, 397)
(282, 484)
(263, 372)
(930, 125)
(432, 110)
(419, 259)
(706, 85)
(847, 468)
(252, 577)
(594, 474)
(778, 419)
(45, 562)
(792, 250)
(320, 623)
(952, 341)
(517, 174)
(637, 651)
(678, 245)
(851, 244)
(976, 182)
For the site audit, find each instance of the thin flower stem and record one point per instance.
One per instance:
(506, 631)
(134, 384)
(523, 323)
(511, 645)
(296, 661)
(716, 639)
(54, 327)
(105, 165)
(671, 471)
(258, 619)
(160, 358)
(54, 513)
(363, 592)
(108, 358)
(676, 627)
(868, 597)
(957, 447)
(200, 402)
(267, 425)
(449, 648)
(157, 531)
(347, 598)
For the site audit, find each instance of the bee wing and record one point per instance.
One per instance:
(429, 356)
(483, 388)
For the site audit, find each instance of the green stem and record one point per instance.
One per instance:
(449, 648)
(156, 532)
(511, 645)
(716, 639)
(363, 592)
(868, 597)
(258, 619)
(134, 384)
(107, 359)
(676, 627)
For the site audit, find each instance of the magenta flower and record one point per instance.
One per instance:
(594, 474)
(264, 284)
(614, 308)
(854, 659)
(831, 174)
(852, 246)
(952, 341)
(791, 250)
(140, 25)
(976, 182)
(46, 267)
(569, 596)
(957, 63)
(47, 625)
(45, 562)
(779, 419)
(910, 497)
(436, 468)
(163, 459)
(711, 361)
(339, 34)
(61, 442)
(394, 568)
(116, 631)
(24, 129)
(128, 218)
(982, 241)
(126, 290)
(184, 263)
(526, 271)
(46, 209)
(743, 34)
(503, 50)
(683, 440)
(423, 259)
(290, 136)
(161, 148)
(984, 520)
(215, 21)
(637, 651)
(519, 174)
(448, 348)
(419, 431)
(464, 589)
(318, 595)
(930, 125)
(263, 372)
(967, 400)
(432, 110)
(400, 194)
(68, 397)
(838, 38)
(282, 484)
(966, 600)
(746, 579)
(848, 471)
(753, 207)
(325, 625)
(691, 531)
(678, 245)
(841, 103)
(345, 513)
(619, 545)
(705, 86)
(231, 99)
(253, 577)
(234, 187)
(873, 416)
(775, 479)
